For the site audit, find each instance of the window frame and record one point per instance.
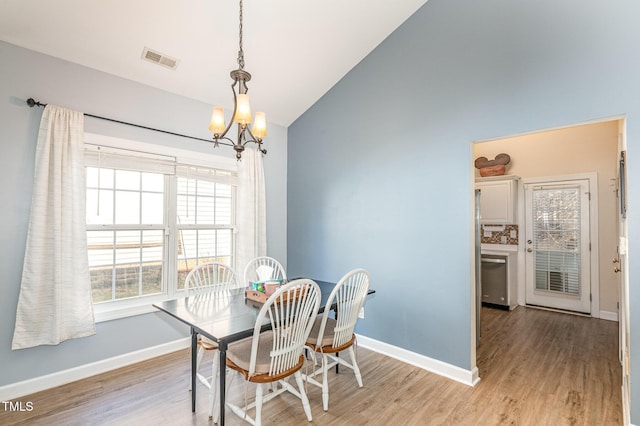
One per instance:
(109, 310)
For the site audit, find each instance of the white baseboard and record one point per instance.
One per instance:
(609, 316)
(37, 384)
(468, 377)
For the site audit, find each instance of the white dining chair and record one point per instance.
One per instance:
(205, 278)
(276, 354)
(332, 335)
(263, 268)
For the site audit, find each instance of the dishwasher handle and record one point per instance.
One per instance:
(489, 260)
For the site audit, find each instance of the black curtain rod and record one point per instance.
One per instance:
(31, 102)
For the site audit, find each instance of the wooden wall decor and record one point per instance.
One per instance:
(495, 167)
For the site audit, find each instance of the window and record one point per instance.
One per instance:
(150, 220)
(125, 233)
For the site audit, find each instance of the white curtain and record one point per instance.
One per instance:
(251, 215)
(55, 294)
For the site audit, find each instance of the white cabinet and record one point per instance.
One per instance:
(498, 196)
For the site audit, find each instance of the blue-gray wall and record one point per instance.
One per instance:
(380, 168)
(24, 74)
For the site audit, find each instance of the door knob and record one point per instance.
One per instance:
(529, 241)
(529, 249)
(616, 269)
(616, 260)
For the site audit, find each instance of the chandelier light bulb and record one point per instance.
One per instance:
(243, 110)
(259, 129)
(217, 121)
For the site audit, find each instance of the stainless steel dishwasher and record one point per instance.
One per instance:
(494, 280)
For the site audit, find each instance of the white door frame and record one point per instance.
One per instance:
(593, 231)
(623, 304)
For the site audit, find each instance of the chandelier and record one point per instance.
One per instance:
(241, 111)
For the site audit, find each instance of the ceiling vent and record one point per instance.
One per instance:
(159, 58)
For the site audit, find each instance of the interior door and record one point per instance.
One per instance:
(557, 247)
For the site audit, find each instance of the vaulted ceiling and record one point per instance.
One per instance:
(296, 50)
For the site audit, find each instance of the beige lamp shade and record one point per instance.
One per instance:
(243, 110)
(259, 129)
(217, 121)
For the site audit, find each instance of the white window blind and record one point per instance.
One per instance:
(206, 174)
(116, 158)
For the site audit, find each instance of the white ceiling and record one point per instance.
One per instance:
(296, 50)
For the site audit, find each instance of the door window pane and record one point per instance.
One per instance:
(556, 240)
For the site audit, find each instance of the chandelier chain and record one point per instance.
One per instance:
(240, 52)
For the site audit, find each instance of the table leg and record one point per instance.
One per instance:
(194, 362)
(222, 348)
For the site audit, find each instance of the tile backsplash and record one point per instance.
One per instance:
(499, 234)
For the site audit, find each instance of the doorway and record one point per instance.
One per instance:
(587, 148)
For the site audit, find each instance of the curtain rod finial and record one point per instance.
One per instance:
(32, 102)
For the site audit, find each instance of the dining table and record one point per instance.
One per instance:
(224, 316)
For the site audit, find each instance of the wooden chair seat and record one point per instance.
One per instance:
(207, 344)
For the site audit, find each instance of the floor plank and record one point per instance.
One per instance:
(537, 368)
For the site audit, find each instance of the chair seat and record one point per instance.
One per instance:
(239, 353)
(327, 339)
(207, 344)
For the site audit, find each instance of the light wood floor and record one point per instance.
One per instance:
(537, 368)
